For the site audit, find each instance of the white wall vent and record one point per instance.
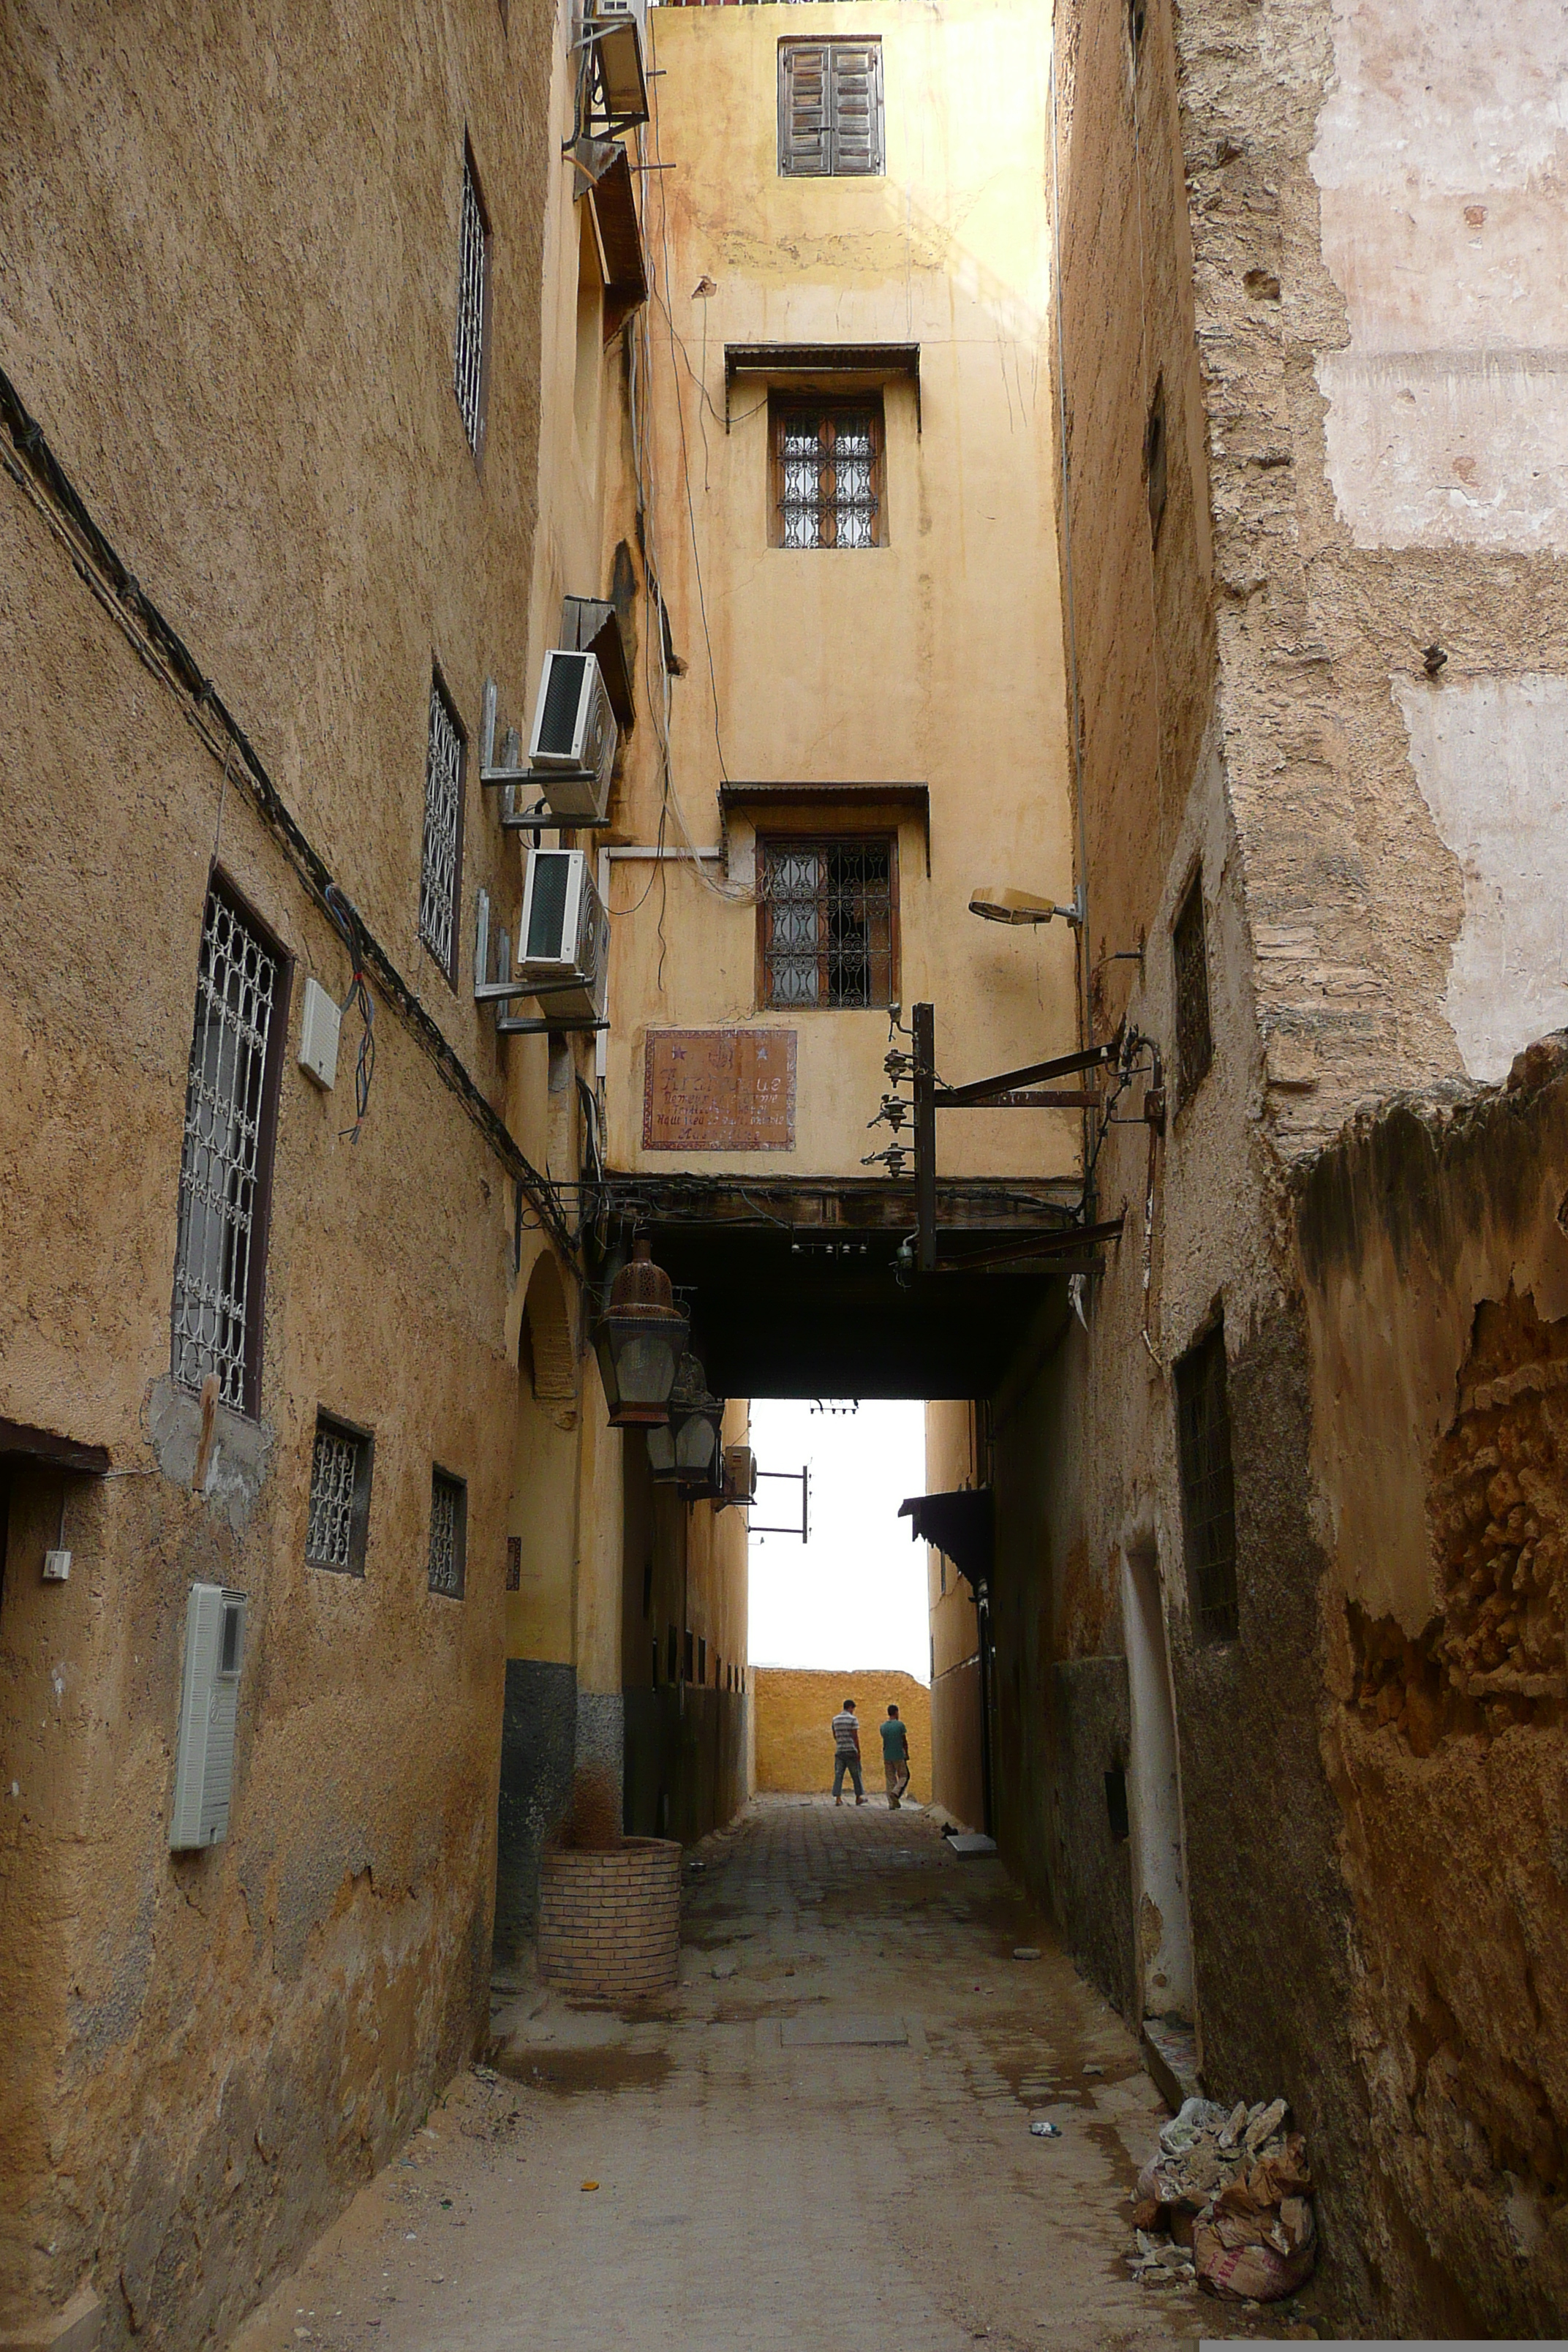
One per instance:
(209, 1703)
(564, 944)
(573, 747)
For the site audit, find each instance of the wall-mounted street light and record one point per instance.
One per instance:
(640, 1341)
(999, 902)
(687, 1447)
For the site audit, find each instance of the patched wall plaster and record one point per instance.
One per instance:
(1490, 755)
(1440, 161)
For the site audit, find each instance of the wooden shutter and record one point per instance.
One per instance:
(855, 72)
(805, 107)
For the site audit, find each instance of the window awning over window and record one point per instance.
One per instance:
(823, 367)
(620, 241)
(51, 1449)
(830, 807)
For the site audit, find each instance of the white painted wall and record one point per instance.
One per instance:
(1490, 755)
(1442, 162)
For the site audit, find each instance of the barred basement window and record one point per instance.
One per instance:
(226, 1168)
(828, 476)
(443, 851)
(825, 912)
(1195, 1040)
(830, 109)
(469, 355)
(448, 1534)
(1209, 1495)
(340, 1497)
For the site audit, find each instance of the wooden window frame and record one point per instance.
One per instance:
(782, 407)
(458, 1488)
(793, 162)
(363, 1443)
(820, 836)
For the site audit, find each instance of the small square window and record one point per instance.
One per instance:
(448, 1534)
(340, 1497)
(827, 469)
(1195, 1040)
(470, 352)
(514, 1563)
(825, 912)
(1208, 1492)
(830, 109)
(441, 859)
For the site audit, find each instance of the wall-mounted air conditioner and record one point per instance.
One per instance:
(740, 1475)
(209, 1705)
(572, 748)
(564, 943)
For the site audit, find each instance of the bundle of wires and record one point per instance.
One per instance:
(346, 923)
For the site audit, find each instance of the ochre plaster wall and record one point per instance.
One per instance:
(934, 659)
(795, 1708)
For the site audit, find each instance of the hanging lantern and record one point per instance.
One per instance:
(639, 1343)
(686, 1448)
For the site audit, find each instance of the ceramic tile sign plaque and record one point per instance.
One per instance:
(718, 1090)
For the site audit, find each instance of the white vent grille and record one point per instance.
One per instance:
(237, 987)
(209, 1707)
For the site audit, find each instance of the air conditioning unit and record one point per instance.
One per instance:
(739, 1474)
(572, 748)
(565, 935)
(209, 1705)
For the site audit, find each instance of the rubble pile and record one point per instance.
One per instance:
(1227, 2198)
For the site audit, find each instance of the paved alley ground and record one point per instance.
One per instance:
(823, 2134)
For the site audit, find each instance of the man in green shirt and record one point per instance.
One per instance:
(895, 1758)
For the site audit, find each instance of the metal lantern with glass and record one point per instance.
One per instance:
(640, 1341)
(687, 1448)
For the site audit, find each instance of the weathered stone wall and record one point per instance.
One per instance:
(227, 297)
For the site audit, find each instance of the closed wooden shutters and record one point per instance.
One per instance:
(830, 109)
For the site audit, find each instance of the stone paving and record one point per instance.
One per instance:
(826, 2129)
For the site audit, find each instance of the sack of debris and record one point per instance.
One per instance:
(1236, 2189)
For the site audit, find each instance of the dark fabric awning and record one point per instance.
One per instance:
(591, 625)
(962, 1525)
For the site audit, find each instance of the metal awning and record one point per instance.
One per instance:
(961, 1524)
(838, 366)
(620, 242)
(591, 625)
(818, 804)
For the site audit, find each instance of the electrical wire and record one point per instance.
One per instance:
(345, 921)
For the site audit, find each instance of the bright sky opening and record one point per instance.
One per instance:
(855, 1596)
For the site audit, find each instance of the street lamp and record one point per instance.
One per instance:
(687, 1447)
(639, 1343)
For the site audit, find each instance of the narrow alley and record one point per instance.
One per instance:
(825, 2128)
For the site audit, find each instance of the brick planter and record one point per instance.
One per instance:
(609, 1922)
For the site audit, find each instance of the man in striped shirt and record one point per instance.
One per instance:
(847, 1753)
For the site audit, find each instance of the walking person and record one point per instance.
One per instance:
(895, 1757)
(847, 1753)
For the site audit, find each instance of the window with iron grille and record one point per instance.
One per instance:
(468, 361)
(1209, 1495)
(830, 109)
(340, 1497)
(231, 1095)
(444, 766)
(828, 476)
(825, 909)
(448, 1534)
(1195, 1040)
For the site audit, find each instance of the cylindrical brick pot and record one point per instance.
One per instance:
(609, 1921)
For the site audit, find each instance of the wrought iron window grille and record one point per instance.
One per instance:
(828, 471)
(473, 300)
(444, 766)
(339, 1497)
(826, 912)
(1195, 1038)
(217, 1255)
(448, 1535)
(1208, 1492)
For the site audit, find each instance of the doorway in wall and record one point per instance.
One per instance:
(1164, 1935)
